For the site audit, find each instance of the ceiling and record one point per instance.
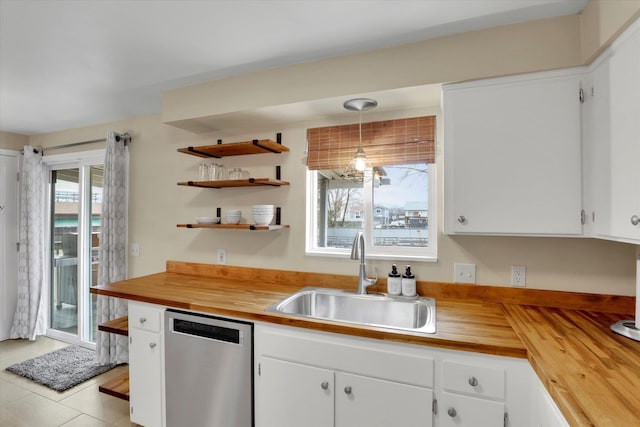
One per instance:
(66, 64)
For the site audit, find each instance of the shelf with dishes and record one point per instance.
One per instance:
(254, 227)
(263, 215)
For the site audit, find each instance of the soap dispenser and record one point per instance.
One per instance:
(394, 281)
(408, 283)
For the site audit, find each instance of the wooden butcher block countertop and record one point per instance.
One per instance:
(592, 374)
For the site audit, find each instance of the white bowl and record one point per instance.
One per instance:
(262, 207)
(207, 219)
(262, 219)
(233, 220)
(233, 212)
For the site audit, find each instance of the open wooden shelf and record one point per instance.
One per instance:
(118, 326)
(251, 182)
(236, 226)
(256, 146)
(117, 387)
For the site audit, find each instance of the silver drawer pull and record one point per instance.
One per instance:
(452, 412)
(347, 389)
(635, 220)
(152, 345)
(324, 385)
(462, 219)
(143, 319)
(473, 381)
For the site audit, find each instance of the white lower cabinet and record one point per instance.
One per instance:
(321, 379)
(295, 395)
(146, 369)
(369, 401)
(546, 412)
(315, 379)
(459, 410)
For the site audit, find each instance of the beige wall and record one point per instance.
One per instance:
(602, 21)
(157, 204)
(531, 46)
(12, 141)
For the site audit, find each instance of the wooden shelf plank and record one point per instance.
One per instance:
(236, 226)
(118, 326)
(232, 183)
(117, 387)
(255, 146)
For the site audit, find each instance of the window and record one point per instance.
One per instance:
(394, 204)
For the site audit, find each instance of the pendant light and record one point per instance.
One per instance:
(359, 164)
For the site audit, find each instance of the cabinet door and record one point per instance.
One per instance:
(293, 395)
(461, 411)
(512, 156)
(364, 401)
(145, 377)
(546, 413)
(625, 138)
(596, 151)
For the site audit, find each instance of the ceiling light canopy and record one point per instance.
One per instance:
(359, 164)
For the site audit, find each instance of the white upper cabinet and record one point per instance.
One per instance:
(512, 155)
(611, 141)
(624, 89)
(595, 149)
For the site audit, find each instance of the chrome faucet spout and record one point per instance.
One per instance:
(358, 252)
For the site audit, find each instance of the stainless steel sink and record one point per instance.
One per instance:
(414, 315)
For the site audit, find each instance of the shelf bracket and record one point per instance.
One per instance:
(256, 142)
(278, 173)
(202, 153)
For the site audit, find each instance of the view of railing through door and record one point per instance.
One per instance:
(76, 205)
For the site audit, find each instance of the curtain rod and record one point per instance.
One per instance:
(125, 137)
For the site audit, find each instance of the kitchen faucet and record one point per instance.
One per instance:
(357, 252)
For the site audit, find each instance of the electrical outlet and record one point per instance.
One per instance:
(222, 256)
(135, 249)
(518, 276)
(464, 273)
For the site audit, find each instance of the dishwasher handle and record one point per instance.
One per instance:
(204, 330)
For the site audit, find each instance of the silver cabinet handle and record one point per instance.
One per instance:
(473, 381)
(143, 319)
(635, 220)
(462, 219)
(452, 412)
(347, 389)
(152, 345)
(324, 385)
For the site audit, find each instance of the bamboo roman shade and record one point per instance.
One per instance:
(389, 142)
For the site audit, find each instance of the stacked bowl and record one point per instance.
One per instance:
(262, 214)
(232, 216)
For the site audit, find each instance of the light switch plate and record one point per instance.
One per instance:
(464, 273)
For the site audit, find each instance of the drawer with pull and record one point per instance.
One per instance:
(472, 380)
(144, 317)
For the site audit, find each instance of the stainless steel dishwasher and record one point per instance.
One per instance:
(208, 371)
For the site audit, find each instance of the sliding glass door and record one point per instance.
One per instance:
(76, 205)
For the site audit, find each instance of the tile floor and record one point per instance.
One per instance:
(25, 403)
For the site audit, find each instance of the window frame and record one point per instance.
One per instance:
(428, 254)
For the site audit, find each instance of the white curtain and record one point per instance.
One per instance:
(29, 320)
(113, 348)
